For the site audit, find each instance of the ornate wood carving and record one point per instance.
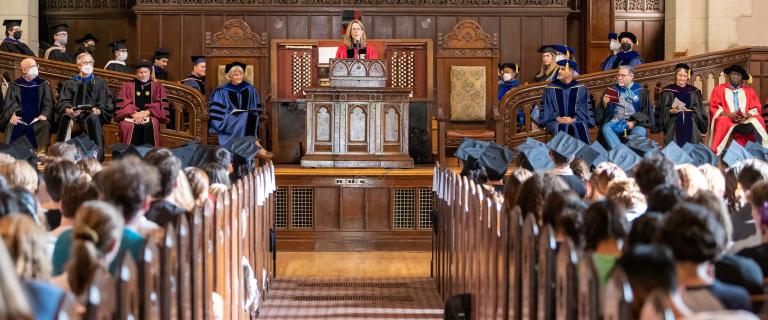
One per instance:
(94, 4)
(236, 39)
(356, 3)
(650, 6)
(467, 40)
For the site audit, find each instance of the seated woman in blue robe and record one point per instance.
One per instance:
(233, 107)
(565, 104)
(626, 56)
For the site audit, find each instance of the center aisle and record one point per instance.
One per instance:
(350, 298)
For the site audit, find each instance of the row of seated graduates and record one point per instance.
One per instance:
(492, 261)
(194, 261)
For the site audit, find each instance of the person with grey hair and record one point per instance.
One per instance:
(85, 104)
(625, 109)
(233, 108)
(28, 107)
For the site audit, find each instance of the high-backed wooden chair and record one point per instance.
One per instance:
(467, 62)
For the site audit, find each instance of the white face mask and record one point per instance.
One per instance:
(559, 58)
(33, 72)
(614, 45)
(122, 56)
(63, 41)
(506, 76)
(87, 69)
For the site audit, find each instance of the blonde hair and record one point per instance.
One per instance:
(228, 76)
(6, 159)
(98, 225)
(13, 301)
(348, 34)
(691, 179)
(549, 70)
(20, 173)
(625, 191)
(90, 166)
(715, 179)
(198, 183)
(182, 194)
(28, 246)
(603, 174)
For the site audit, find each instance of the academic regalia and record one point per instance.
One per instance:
(93, 91)
(159, 74)
(136, 96)
(566, 100)
(195, 82)
(722, 100)
(628, 58)
(505, 86)
(353, 53)
(163, 212)
(58, 53)
(29, 100)
(546, 76)
(118, 66)
(683, 127)
(227, 123)
(15, 46)
(608, 62)
(643, 114)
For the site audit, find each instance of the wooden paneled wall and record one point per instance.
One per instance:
(644, 18)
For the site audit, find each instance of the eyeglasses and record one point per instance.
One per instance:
(623, 75)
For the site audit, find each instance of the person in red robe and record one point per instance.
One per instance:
(142, 106)
(735, 109)
(355, 44)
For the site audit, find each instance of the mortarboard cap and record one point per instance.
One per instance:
(161, 54)
(233, 64)
(700, 154)
(120, 150)
(509, 65)
(613, 36)
(142, 64)
(565, 145)
(197, 60)
(61, 27)
(735, 154)
(757, 150)
(191, 154)
(117, 45)
(547, 48)
(599, 147)
(536, 158)
(470, 148)
(642, 145)
(565, 50)
(676, 154)
(244, 148)
(569, 64)
(739, 69)
(20, 149)
(87, 37)
(682, 66)
(591, 156)
(623, 157)
(86, 146)
(530, 142)
(629, 35)
(10, 23)
(496, 158)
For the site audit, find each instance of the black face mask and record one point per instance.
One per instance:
(17, 35)
(626, 46)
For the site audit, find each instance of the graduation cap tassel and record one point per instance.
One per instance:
(749, 81)
(689, 73)
(517, 69)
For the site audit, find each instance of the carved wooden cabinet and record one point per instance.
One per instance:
(357, 122)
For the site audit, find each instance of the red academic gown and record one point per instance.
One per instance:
(370, 53)
(720, 101)
(126, 107)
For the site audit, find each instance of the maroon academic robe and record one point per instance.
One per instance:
(126, 107)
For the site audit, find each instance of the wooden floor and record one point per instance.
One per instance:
(379, 264)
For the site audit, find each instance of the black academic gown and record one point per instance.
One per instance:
(58, 54)
(15, 46)
(89, 91)
(195, 82)
(159, 74)
(28, 99)
(682, 127)
(118, 66)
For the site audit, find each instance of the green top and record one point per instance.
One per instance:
(131, 241)
(604, 265)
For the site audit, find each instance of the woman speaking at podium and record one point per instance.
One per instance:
(355, 43)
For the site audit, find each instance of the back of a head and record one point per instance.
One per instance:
(220, 155)
(217, 174)
(625, 191)
(563, 211)
(14, 304)
(758, 197)
(168, 166)
(693, 233)
(752, 172)
(75, 194)
(26, 201)
(604, 220)
(709, 200)
(20, 173)
(96, 230)
(198, 183)
(536, 190)
(57, 174)
(603, 174)
(580, 169)
(126, 183)
(731, 185)
(645, 229)
(649, 267)
(691, 179)
(654, 170)
(715, 179)
(513, 182)
(90, 166)
(28, 245)
(64, 151)
(664, 197)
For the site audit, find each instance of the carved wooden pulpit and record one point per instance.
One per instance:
(357, 122)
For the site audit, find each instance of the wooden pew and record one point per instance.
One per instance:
(169, 265)
(184, 272)
(547, 268)
(101, 303)
(529, 261)
(502, 258)
(198, 296)
(617, 295)
(128, 294)
(515, 228)
(150, 280)
(589, 288)
(566, 282)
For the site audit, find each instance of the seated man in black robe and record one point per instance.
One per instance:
(58, 51)
(12, 42)
(85, 104)
(161, 62)
(119, 55)
(28, 107)
(196, 79)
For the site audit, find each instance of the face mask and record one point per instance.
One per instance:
(33, 72)
(87, 69)
(614, 46)
(559, 58)
(63, 41)
(506, 76)
(122, 56)
(626, 46)
(17, 35)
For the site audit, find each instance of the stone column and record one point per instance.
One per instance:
(29, 12)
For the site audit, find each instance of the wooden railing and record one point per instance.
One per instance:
(190, 108)
(512, 267)
(707, 73)
(199, 254)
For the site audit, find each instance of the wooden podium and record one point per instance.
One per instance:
(357, 122)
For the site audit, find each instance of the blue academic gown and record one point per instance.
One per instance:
(227, 123)
(630, 58)
(608, 62)
(566, 100)
(505, 86)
